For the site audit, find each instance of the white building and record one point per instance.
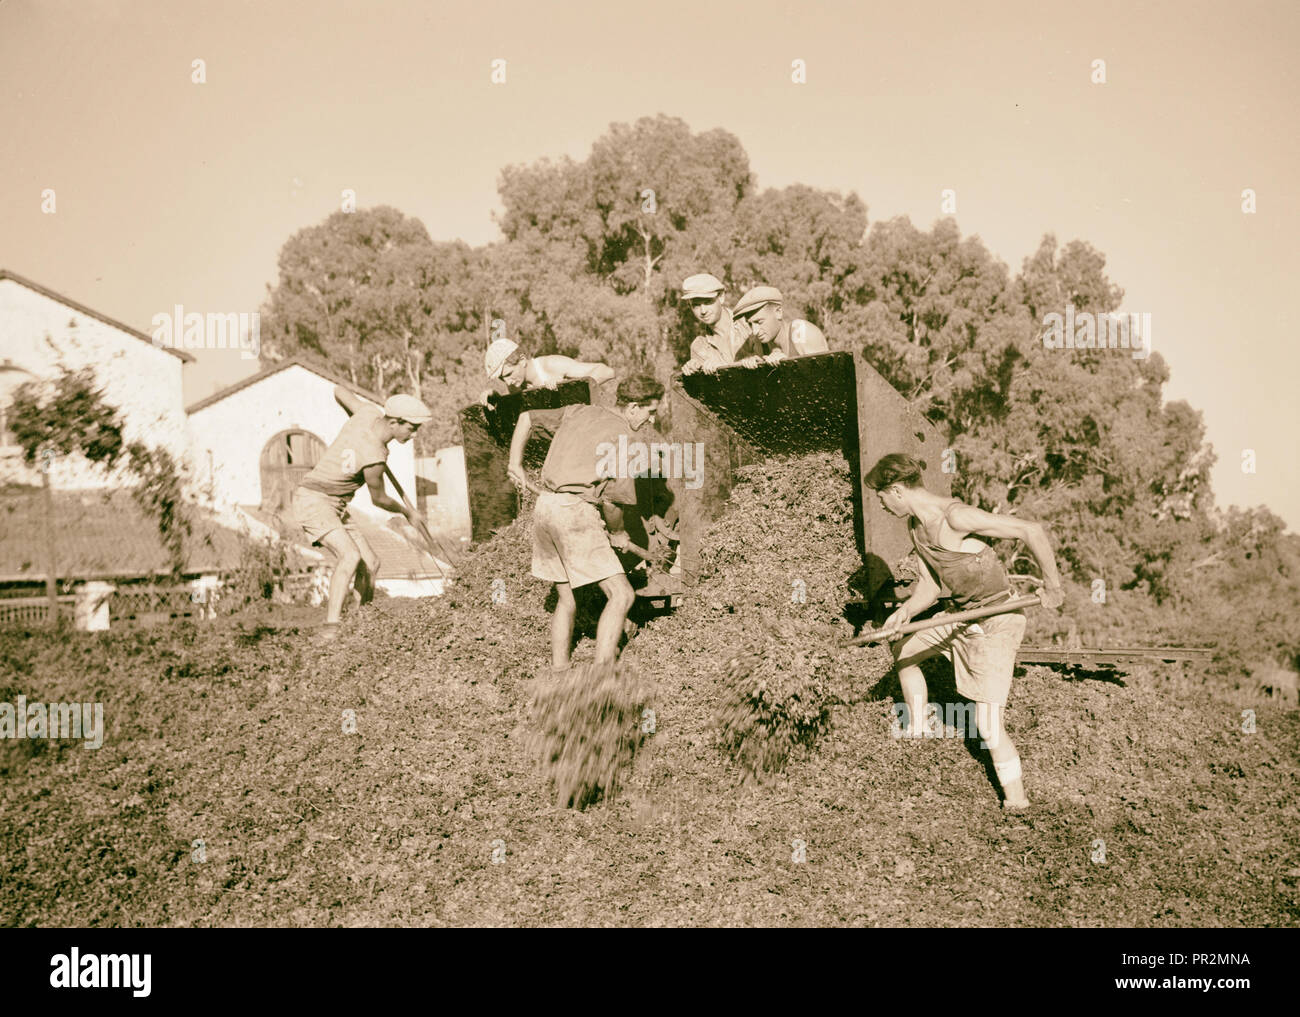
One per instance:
(443, 488)
(41, 330)
(243, 449)
(251, 443)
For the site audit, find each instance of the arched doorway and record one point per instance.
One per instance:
(286, 459)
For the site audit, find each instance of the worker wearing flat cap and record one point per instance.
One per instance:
(760, 316)
(721, 346)
(506, 363)
(359, 455)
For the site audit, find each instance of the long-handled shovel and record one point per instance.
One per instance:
(1015, 604)
(432, 545)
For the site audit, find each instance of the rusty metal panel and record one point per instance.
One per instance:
(830, 402)
(798, 406)
(887, 423)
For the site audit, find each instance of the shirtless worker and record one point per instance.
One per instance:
(760, 316)
(983, 652)
(507, 363)
(358, 455)
(571, 545)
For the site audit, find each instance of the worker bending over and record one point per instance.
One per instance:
(572, 547)
(983, 653)
(506, 363)
(357, 456)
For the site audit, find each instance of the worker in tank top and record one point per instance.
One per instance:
(973, 574)
(983, 653)
(760, 314)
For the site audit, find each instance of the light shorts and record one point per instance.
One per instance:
(983, 653)
(318, 514)
(570, 542)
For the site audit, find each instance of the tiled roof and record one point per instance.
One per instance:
(37, 288)
(398, 557)
(101, 535)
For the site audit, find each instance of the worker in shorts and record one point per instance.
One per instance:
(357, 456)
(508, 365)
(572, 547)
(983, 652)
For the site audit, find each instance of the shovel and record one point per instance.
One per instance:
(1014, 604)
(435, 548)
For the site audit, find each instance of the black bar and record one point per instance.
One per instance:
(217, 967)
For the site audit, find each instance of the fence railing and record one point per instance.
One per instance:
(151, 605)
(97, 605)
(32, 610)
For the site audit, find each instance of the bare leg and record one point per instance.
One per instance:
(349, 557)
(618, 601)
(908, 654)
(1006, 760)
(360, 587)
(914, 696)
(566, 608)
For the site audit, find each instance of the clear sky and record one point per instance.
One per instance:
(170, 192)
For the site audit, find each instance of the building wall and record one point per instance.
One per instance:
(447, 508)
(144, 383)
(227, 437)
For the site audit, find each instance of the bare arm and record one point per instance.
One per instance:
(574, 369)
(517, 442)
(968, 519)
(599, 373)
(374, 474)
(808, 337)
(350, 401)
(925, 595)
(497, 388)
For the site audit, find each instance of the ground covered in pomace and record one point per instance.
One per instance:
(234, 788)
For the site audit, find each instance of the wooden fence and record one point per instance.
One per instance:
(127, 605)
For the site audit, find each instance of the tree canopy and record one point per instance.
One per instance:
(589, 262)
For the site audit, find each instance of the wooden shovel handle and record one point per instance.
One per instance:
(431, 545)
(1014, 604)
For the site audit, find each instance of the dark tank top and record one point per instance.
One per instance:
(973, 579)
